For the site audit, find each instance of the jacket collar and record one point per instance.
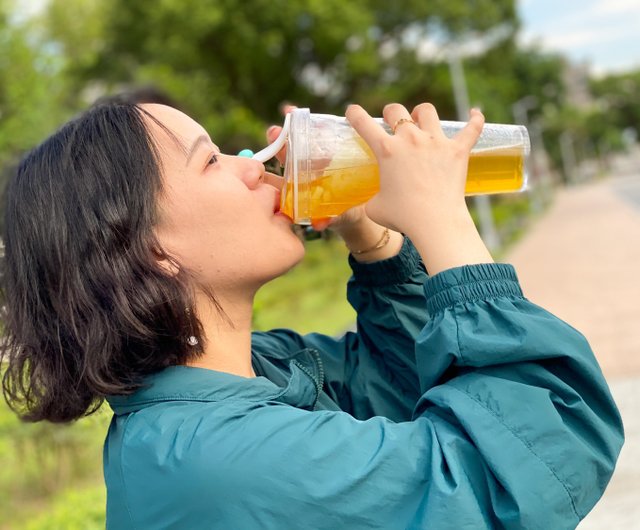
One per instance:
(185, 383)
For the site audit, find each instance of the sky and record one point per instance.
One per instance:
(603, 33)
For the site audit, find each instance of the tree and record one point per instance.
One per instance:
(232, 62)
(618, 97)
(29, 87)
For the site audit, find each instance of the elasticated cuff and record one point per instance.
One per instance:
(470, 283)
(396, 269)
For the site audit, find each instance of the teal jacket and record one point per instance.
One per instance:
(458, 404)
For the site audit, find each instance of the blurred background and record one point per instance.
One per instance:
(569, 71)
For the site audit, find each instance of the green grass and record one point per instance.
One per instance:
(512, 214)
(75, 509)
(41, 459)
(311, 297)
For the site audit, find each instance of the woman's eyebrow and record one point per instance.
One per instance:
(197, 142)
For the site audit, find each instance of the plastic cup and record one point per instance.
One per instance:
(329, 168)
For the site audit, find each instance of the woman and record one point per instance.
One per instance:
(133, 251)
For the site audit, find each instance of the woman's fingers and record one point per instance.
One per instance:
(365, 126)
(272, 133)
(398, 118)
(286, 108)
(321, 224)
(426, 116)
(471, 132)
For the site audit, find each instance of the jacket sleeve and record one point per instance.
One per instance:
(515, 428)
(372, 371)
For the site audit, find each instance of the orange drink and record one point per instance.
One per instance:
(328, 173)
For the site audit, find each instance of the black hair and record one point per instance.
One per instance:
(88, 310)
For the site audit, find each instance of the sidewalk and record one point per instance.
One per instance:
(580, 260)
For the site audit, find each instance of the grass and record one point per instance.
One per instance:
(311, 297)
(512, 214)
(40, 459)
(74, 509)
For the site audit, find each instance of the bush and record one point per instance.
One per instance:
(73, 510)
(41, 459)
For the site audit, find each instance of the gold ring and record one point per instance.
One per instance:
(400, 122)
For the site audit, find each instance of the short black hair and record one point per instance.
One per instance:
(88, 311)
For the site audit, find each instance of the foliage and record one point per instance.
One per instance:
(617, 96)
(76, 509)
(40, 459)
(232, 63)
(29, 89)
(311, 297)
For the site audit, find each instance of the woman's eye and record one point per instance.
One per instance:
(212, 160)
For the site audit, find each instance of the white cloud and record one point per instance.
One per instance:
(605, 33)
(622, 7)
(578, 39)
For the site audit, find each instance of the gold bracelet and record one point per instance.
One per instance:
(386, 236)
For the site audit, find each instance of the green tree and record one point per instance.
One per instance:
(232, 62)
(30, 88)
(618, 99)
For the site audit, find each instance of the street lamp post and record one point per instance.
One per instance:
(482, 202)
(568, 157)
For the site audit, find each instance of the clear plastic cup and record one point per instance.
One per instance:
(329, 168)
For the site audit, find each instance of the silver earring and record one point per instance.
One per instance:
(192, 340)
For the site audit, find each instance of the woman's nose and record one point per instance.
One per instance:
(250, 171)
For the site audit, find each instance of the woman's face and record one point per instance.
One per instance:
(217, 216)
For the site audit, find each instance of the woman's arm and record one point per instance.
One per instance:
(371, 371)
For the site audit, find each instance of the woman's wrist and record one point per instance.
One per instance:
(450, 241)
(368, 241)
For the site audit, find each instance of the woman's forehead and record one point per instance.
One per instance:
(181, 126)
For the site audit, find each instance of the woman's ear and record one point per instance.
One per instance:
(169, 265)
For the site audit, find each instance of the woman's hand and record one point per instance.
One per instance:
(353, 226)
(351, 217)
(422, 180)
(274, 131)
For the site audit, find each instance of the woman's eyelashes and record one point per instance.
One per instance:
(212, 159)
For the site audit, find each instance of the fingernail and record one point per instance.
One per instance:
(284, 106)
(271, 129)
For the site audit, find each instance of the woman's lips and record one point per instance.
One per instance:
(276, 202)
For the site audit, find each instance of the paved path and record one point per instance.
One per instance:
(619, 509)
(581, 260)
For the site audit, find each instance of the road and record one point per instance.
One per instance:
(581, 260)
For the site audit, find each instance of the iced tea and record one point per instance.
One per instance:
(331, 191)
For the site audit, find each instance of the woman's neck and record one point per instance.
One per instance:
(227, 346)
